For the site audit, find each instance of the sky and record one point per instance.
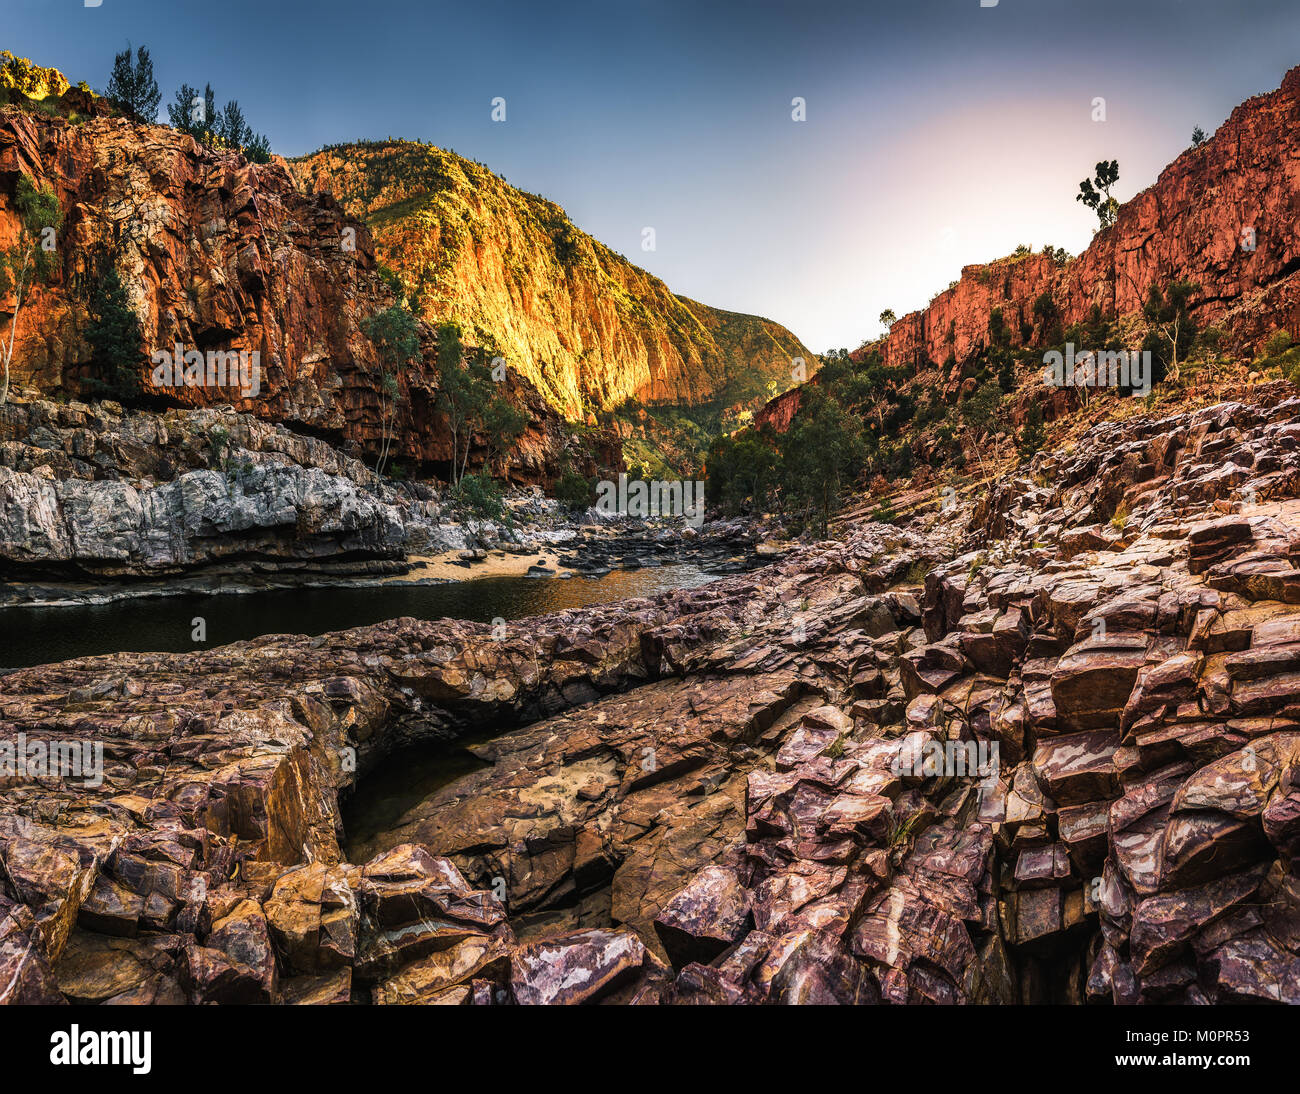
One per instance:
(936, 133)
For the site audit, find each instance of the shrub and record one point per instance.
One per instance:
(480, 496)
(885, 512)
(1278, 343)
(1281, 354)
(572, 490)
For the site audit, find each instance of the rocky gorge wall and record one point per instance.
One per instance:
(583, 324)
(219, 254)
(1187, 225)
(93, 492)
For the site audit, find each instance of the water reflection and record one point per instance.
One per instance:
(36, 636)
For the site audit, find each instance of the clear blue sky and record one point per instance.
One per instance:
(938, 132)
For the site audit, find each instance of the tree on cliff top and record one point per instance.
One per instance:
(132, 87)
(1095, 194)
(194, 113)
(33, 257)
(197, 115)
(235, 132)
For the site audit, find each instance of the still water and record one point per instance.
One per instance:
(37, 636)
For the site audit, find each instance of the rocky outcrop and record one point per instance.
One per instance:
(94, 498)
(93, 492)
(1063, 769)
(1190, 224)
(219, 254)
(585, 326)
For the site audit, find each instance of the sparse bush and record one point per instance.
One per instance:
(480, 496)
(572, 490)
(885, 513)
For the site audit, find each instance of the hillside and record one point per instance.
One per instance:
(1188, 225)
(220, 254)
(588, 328)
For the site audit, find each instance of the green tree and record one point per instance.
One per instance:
(235, 132)
(462, 395)
(258, 149)
(116, 344)
(503, 423)
(572, 490)
(469, 397)
(193, 112)
(1095, 194)
(1171, 330)
(1198, 137)
(397, 341)
(132, 88)
(821, 455)
(740, 470)
(1048, 318)
(32, 257)
(980, 409)
(198, 116)
(1032, 434)
(232, 127)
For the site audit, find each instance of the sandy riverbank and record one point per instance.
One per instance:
(448, 566)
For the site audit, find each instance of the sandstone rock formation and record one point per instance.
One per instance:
(584, 325)
(1188, 225)
(93, 492)
(220, 254)
(710, 796)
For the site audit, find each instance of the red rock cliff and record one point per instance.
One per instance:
(1188, 224)
(220, 254)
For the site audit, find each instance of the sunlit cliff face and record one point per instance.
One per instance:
(586, 326)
